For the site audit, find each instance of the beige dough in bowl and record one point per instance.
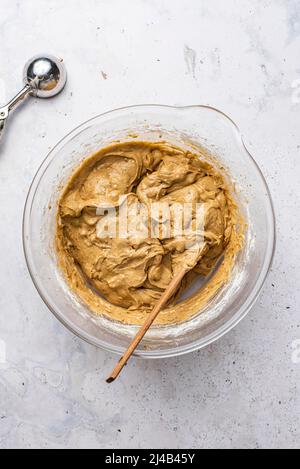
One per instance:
(123, 275)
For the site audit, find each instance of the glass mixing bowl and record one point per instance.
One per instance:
(200, 125)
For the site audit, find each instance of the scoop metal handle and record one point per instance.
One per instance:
(4, 111)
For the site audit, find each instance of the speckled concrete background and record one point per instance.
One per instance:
(241, 56)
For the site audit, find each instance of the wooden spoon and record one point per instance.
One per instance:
(168, 293)
(172, 288)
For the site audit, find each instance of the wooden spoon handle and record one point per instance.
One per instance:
(172, 288)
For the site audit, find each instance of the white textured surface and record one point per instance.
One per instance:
(241, 56)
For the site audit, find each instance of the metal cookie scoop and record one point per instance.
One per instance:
(44, 76)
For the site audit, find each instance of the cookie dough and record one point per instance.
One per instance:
(123, 276)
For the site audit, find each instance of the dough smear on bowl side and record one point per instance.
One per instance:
(123, 276)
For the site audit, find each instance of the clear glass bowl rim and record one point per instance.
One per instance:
(181, 350)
